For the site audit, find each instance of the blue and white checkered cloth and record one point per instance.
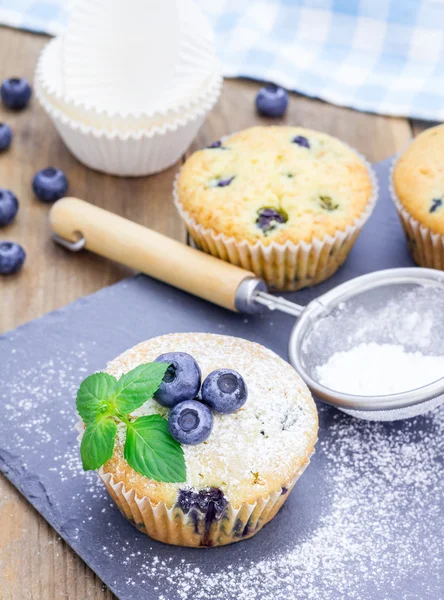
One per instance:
(383, 56)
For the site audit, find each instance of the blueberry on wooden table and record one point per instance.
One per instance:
(181, 381)
(224, 390)
(5, 136)
(8, 207)
(272, 101)
(190, 422)
(50, 184)
(15, 93)
(12, 257)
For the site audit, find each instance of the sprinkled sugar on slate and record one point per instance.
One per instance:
(365, 521)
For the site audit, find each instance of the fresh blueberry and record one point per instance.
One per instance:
(8, 207)
(190, 422)
(272, 101)
(15, 93)
(12, 257)
(50, 184)
(300, 140)
(224, 391)
(181, 381)
(269, 218)
(5, 136)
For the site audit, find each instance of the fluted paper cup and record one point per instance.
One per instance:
(130, 155)
(426, 247)
(284, 267)
(49, 79)
(136, 58)
(169, 524)
(195, 528)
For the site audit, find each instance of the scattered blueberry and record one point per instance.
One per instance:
(269, 218)
(217, 144)
(181, 381)
(50, 184)
(300, 140)
(327, 203)
(190, 422)
(8, 207)
(436, 203)
(224, 182)
(15, 93)
(5, 136)
(12, 257)
(224, 391)
(272, 101)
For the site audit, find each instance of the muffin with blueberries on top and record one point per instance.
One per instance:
(418, 193)
(202, 436)
(285, 202)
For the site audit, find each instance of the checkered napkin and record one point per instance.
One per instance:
(383, 56)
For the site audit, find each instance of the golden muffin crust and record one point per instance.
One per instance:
(418, 179)
(251, 453)
(317, 190)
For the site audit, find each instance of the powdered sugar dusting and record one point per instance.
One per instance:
(365, 522)
(259, 448)
(381, 531)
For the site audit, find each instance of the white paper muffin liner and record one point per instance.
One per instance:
(131, 154)
(162, 49)
(426, 247)
(284, 267)
(173, 526)
(49, 77)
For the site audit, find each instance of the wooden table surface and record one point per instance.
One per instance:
(34, 563)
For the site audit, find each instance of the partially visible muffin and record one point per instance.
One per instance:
(284, 202)
(418, 192)
(237, 479)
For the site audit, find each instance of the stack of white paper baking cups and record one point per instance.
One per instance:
(130, 83)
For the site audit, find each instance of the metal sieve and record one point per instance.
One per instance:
(397, 306)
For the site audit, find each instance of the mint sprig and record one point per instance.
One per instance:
(103, 401)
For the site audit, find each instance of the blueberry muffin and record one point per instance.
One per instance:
(418, 193)
(284, 202)
(246, 426)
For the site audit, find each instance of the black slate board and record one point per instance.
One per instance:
(317, 547)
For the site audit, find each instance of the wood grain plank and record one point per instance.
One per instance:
(34, 563)
(418, 126)
(375, 136)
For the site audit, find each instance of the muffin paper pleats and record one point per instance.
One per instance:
(426, 247)
(196, 528)
(284, 267)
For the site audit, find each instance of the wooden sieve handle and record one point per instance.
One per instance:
(147, 251)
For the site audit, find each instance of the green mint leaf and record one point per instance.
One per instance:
(94, 394)
(151, 451)
(139, 385)
(98, 442)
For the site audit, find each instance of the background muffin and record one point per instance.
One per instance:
(418, 193)
(285, 202)
(237, 479)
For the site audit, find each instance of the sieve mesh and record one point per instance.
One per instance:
(408, 314)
